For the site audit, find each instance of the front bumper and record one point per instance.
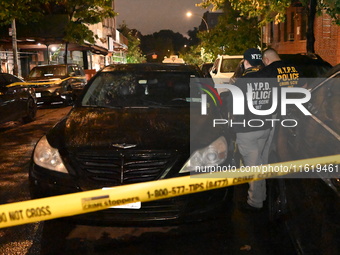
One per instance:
(175, 210)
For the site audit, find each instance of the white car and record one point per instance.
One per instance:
(224, 68)
(173, 59)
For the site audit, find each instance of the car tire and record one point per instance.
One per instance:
(31, 111)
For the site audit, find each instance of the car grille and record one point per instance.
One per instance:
(117, 168)
(44, 93)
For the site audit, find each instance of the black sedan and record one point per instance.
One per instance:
(131, 125)
(17, 100)
(310, 205)
(57, 84)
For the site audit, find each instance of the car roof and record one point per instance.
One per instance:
(152, 67)
(232, 56)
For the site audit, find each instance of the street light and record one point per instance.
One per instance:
(189, 14)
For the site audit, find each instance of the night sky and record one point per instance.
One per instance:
(149, 16)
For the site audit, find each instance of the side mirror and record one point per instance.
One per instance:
(214, 71)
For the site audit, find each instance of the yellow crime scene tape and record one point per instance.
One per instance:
(43, 83)
(89, 201)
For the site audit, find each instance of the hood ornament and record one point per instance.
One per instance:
(124, 145)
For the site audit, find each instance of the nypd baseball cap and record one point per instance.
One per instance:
(253, 56)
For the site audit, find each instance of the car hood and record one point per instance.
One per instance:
(44, 79)
(143, 128)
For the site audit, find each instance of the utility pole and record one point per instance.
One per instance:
(15, 49)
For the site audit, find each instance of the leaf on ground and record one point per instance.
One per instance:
(245, 248)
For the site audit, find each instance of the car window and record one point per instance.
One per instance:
(129, 89)
(70, 70)
(47, 71)
(229, 65)
(77, 71)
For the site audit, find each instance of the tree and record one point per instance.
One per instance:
(19, 10)
(163, 43)
(193, 39)
(134, 54)
(80, 14)
(232, 35)
(273, 10)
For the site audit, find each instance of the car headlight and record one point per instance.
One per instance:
(48, 157)
(212, 155)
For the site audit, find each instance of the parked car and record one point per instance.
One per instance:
(310, 206)
(17, 100)
(224, 69)
(60, 84)
(131, 125)
(173, 59)
(225, 66)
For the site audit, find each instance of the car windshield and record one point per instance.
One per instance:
(229, 65)
(133, 89)
(47, 71)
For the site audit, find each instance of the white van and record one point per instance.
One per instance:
(224, 68)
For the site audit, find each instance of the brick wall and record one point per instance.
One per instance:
(289, 37)
(327, 36)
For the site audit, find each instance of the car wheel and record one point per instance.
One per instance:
(31, 111)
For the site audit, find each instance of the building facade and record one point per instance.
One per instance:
(289, 37)
(45, 45)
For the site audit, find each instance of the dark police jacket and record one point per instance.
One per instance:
(261, 100)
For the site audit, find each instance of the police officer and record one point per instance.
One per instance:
(251, 138)
(286, 74)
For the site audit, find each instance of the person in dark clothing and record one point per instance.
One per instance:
(251, 138)
(286, 74)
(280, 74)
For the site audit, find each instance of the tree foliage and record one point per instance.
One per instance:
(80, 14)
(134, 54)
(273, 10)
(232, 36)
(163, 43)
(19, 10)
